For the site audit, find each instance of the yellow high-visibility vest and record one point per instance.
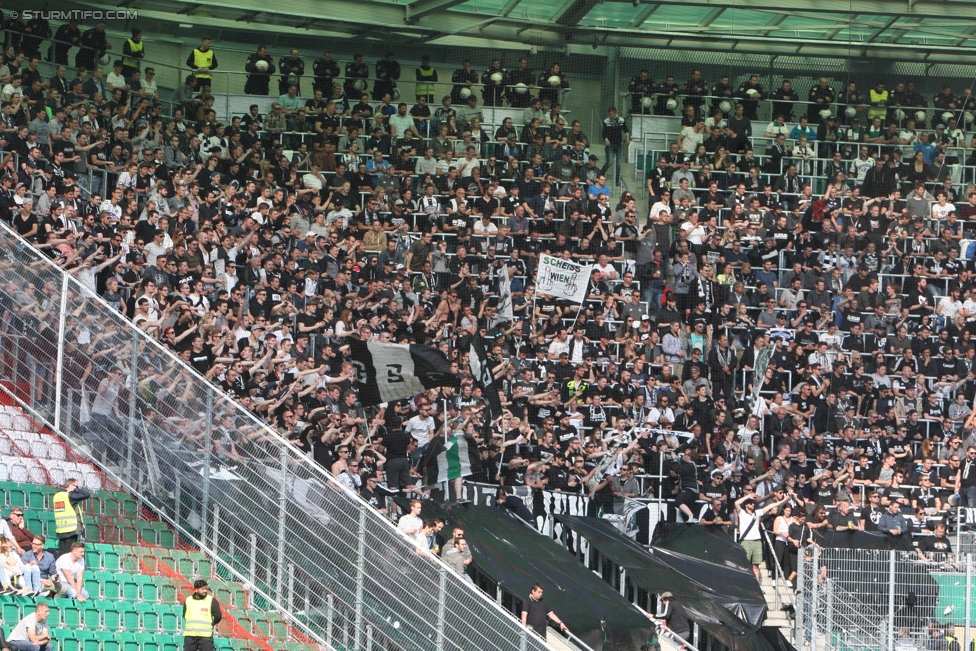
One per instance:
(426, 87)
(65, 515)
(199, 620)
(202, 60)
(133, 62)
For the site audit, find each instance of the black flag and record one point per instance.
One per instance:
(481, 371)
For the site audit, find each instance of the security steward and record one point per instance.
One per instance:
(201, 614)
(203, 62)
(68, 524)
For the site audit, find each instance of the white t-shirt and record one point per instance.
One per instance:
(691, 140)
(19, 634)
(65, 563)
(420, 429)
(745, 520)
(941, 212)
(410, 525)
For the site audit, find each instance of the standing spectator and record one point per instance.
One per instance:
(749, 528)
(68, 524)
(387, 74)
(71, 572)
(36, 31)
(133, 50)
(67, 37)
(426, 76)
(458, 557)
(258, 81)
(203, 62)
(108, 436)
(615, 136)
(463, 78)
(518, 96)
(966, 479)
(324, 70)
(357, 73)
(292, 67)
(92, 47)
(675, 617)
(201, 614)
(31, 633)
(493, 82)
(536, 613)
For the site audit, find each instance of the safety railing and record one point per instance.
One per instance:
(228, 482)
(882, 599)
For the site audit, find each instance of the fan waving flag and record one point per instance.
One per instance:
(388, 372)
(454, 458)
(483, 377)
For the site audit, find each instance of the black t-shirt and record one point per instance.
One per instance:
(871, 516)
(933, 544)
(537, 614)
(849, 521)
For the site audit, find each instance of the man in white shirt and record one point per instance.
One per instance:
(71, 572)
(691, 137)
(421, 427)
(411, 524)
(31, 633)
(115, 79)
(748, 529)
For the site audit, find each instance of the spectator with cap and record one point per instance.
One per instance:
(674, 616)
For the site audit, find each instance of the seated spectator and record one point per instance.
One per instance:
(46, 566)
(71, 572)
(31, 633)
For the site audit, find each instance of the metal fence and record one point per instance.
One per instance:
(858, 599)
(273, 516)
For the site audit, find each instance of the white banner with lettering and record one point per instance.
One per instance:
(562, 278)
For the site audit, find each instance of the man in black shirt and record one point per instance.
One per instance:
(536, 612)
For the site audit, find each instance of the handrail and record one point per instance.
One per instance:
(297, 480)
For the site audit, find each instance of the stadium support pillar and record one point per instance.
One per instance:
(133, 397)
(59, 383)
(360, 576)
(967, 634)
(282, 510)
(208, 429)
(611, 83)
(891, 600)
(441, 608)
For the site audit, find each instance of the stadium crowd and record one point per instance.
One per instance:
(255, 269)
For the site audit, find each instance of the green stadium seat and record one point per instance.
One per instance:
(130, 616)
(130, 587)
(169, 642)
(111, 614)
(147, 642)
(36, 498)
(14, 492)
(148, 617)
(76, 641)
(130, 642)
(91, 617)
(70, 612)
(10, 608)
(92, 531)
(109, 640)
(148, 590)
(168, 591)
(223, 644)
(107, 585)
(170, 620)
(91, 643)
(109, 557)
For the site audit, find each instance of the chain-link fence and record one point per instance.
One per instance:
(227, 481)
(861, 599)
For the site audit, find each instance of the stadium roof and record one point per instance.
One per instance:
(921, 31)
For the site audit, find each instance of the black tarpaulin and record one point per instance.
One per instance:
(510, 553)
(721, 597)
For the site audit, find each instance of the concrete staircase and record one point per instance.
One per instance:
(778, 598)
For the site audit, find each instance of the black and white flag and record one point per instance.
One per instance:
(483, 377)
(388, 372)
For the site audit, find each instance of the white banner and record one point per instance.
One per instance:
(562, 278)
